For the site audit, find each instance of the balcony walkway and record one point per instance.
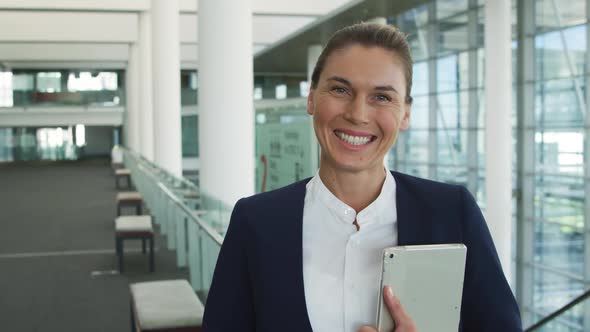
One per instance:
(57, 250)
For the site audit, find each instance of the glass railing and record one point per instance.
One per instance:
(192, 224)
(573, 317)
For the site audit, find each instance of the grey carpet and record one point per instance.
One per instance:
(56, 237)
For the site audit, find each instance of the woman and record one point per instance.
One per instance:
(307, 256)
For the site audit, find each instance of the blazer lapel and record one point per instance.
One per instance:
(413, 220)
(293, 217)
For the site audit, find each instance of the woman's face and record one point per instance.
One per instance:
(358, 107)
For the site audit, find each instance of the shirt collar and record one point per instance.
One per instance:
(379, 211)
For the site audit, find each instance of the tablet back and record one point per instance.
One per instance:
(428, 280)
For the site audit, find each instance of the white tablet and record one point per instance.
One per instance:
(428, 280)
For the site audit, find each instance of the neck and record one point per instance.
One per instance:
(356, 189)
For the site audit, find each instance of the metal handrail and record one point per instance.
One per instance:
(188, 229)
(558, 312)
(166, 173)
(214, 235)
(190, 214)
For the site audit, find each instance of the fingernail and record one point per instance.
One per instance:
(389, 291)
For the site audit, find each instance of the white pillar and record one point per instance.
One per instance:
(166, 84)
(498, 130)
(146, 106)
(313, 53)
(226, 107)
(131, 91)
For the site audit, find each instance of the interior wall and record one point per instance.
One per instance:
(99, 141)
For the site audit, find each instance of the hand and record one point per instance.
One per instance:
(403, 322)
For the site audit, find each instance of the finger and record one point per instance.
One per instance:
(398, 313)
(368, 329)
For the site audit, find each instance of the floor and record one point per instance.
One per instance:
(57, 260)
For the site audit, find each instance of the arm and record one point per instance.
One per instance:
(229, 304)
(488, 303)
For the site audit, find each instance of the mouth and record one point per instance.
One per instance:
(355, 139)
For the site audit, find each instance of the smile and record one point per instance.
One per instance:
(354, 140)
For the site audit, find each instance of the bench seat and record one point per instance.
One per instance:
(134, 227)
(129, 198)
(169, 305)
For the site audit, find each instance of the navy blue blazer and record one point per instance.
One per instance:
(258, 280)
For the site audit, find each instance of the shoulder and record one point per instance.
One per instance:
(429, 190)
(278, 196)
(272, 204)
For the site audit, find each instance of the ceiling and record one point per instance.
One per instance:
(97, 33)
(288, 56)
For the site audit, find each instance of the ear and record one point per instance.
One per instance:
(405, 123)
(310, 105)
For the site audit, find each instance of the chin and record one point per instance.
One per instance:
(351, 166)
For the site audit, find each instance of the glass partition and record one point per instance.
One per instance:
(102, 88)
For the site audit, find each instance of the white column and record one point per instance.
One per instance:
(131, 91)
(313, 53)
(498, 131)
(166, 84)
(226, 108)
(146, 106)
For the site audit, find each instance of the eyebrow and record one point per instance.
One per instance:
(347, 82)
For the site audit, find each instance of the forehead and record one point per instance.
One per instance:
(374, 66)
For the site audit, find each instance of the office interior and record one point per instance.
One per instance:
(182, 93)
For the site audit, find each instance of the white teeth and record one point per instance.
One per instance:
(354, 140)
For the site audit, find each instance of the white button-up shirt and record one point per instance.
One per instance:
(342, 266)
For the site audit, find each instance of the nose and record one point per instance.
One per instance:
(357, 111)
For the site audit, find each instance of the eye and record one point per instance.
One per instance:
(339, 90)
(382, 98)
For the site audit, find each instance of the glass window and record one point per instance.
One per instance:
(561, 53)
(552, 291)
(414, 18)
(557, 103)
(554, 14)
(92, 81)
(416, 145)
(420, 79)
(6, 89)
(49, 82)
(446, 8)
(452, 174)
(560, 152)
(281, 91)
(418, 44)
(453, 34)
(453, 109)
(190, 133)
(420, 114)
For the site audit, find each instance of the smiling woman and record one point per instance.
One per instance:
(358, 108)
(307, 256)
